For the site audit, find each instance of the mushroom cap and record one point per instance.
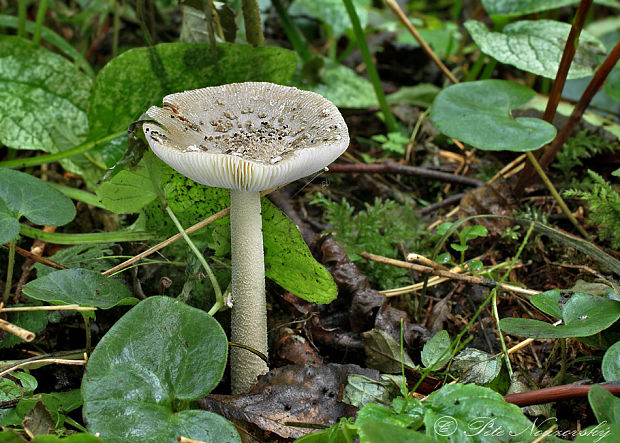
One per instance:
(247, 136)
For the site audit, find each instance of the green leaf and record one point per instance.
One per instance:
(377, 413)
(605, 405)
(141, 77)
(157, 358)
(468, 413)
(330, 12)
(342, 86)
(81, 437)
(360, 391)
(583, 315)
(288, 260)
(611, 363)
(384, 353)
(10, 437)
(536, 46)
(29, 383)
(128, 191)
(33, 321)
(378, 431)
(421, 95)
(9, 390)
(475, 366)
(9, 225)
(523, 7)
(478, 113)
(598, 433)
(80, 286)
(435, 352)
(87, 256)
(43, 98)
(548, 302)
(22, 194)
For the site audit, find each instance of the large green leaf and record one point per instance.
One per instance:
(375, 431)
(22, 195)
(81, 437)
(80, 286)
(140, 378)
(43, 98)
(288, 260)
(469, 413)
(583, 315)
(141, 77)
(536, 46)
(523, 7)
(478, 113)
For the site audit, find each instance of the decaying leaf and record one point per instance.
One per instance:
(291, 395)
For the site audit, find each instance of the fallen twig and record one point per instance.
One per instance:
(450, 275)
(557, 393)
(396, 168)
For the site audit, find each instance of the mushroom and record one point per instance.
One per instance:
(247, 137)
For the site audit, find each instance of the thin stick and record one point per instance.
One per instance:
(397, 168)
(557, 393)
(38, 258)
(447, 274)
(405, 21)
(188, 440)
(207, 221)
(50, 308)
(22, 333)
(545, 434)
(60, 361)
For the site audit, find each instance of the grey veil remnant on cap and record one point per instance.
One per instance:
(247, 136)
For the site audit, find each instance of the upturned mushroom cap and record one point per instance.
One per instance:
(247, 136)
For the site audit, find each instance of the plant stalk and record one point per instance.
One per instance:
(219, 299)
(291, 31)
(253, 26)
(373, 76)
(249, 312)
(556, 195)
(21, 18)
(60, 238)
(9, 272)
(36, 38)
(48, 158)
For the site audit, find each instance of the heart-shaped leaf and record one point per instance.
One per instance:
(583, 315)
(141, 77)
(150, 365)
(43, 98)
(462, 412)
(536, 46)
(478, 113)
(79, 286)
(24, 195)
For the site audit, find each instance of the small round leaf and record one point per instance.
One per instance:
(478, 113)
(24, 195)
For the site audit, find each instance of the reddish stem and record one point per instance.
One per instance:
(556, 393)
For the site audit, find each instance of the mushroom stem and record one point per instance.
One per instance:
(249, 313)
